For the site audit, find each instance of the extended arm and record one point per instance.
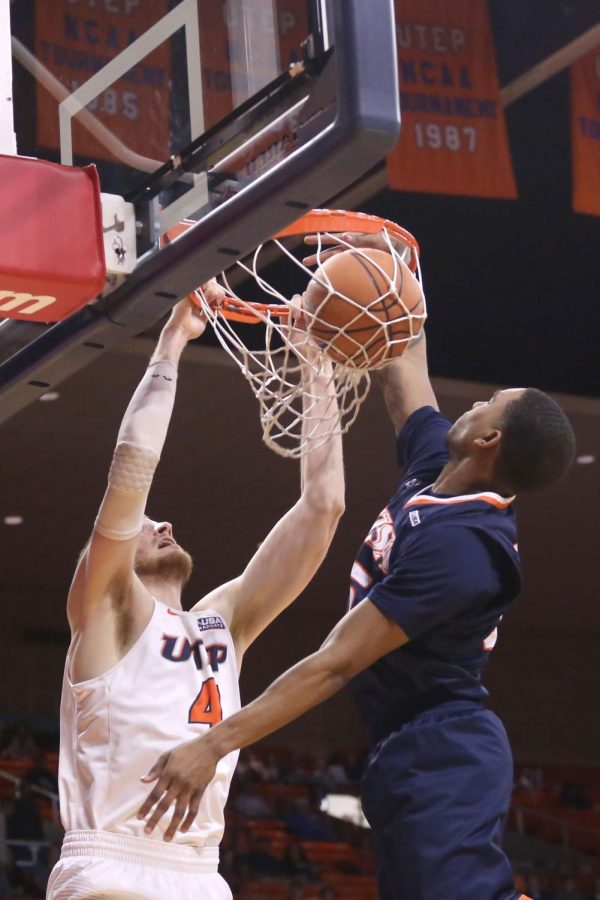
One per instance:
(436, 579)
(406, 385)
(295, 548)
(105, 569)
(359, 639)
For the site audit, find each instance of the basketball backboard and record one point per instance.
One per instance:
(241, 114)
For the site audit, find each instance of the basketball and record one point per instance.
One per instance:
(364, 307)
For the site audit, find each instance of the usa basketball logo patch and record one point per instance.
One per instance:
(208, 623)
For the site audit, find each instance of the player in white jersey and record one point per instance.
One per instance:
(142, 675)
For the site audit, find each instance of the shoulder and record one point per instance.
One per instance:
(447, 549)
(448, 534)
(219, 602)
(479, 546)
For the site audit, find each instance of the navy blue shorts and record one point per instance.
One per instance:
(436, 793)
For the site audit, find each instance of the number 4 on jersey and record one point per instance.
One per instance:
(206, 708)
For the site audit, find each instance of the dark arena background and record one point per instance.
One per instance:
(503, 196)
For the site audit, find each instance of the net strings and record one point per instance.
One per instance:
(293, 414)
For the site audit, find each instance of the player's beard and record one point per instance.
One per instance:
(173, 564)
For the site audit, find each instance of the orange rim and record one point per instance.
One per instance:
(339, 220)
(245, 311)
(316, 222)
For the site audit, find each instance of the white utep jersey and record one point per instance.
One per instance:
(177, 681)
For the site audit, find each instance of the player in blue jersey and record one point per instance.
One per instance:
(436, 573)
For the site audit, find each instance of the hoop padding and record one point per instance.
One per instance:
(51, 251)
(296, 381)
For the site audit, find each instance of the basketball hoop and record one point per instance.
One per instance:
(352, 336)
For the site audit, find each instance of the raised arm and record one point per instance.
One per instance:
(105, 569)
(406, 385)
(295, 548)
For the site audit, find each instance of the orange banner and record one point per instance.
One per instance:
(76, 38)
(74, 41)
(221, 27)
(453, 138)
(585, 131)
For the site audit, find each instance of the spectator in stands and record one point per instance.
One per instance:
(256, 767)
(569, 891)
(327, 893)
(296, 892)
(355, 765)
(575, 796)
(305, 824)
(40, 775)
(586, 879)
(24, 823)
(537, 891)
(21, 743)
(335, 776)
(260, 861)
(251, 804)
(271, 770)
(228, 869)
(300, 770)
(296, 865)
(317, 773)
(329, 774)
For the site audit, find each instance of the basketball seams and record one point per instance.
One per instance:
(357, 331)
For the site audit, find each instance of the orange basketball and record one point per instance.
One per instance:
(363, 307)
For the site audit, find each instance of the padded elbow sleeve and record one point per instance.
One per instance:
(139, 445)
(122, 511)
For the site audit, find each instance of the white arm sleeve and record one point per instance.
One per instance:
(139, 445)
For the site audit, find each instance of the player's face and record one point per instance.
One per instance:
(483, 417)
(158, 553)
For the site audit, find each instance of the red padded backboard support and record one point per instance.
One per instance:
(51, 248)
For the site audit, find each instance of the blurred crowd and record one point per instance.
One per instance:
(30, 834)
(559, 810)
(276, 832)
(278, 845)
(562, 881)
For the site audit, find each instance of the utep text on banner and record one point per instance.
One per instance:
(585, 130)
(453, 138)
(147, 109)
(74, 41)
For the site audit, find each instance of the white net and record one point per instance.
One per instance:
(360, 308)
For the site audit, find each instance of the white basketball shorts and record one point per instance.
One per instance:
(100, 865)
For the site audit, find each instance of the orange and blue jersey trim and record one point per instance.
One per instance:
(493, 499)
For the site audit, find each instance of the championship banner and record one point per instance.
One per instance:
(76, 39)
(585, 132)
(453, 138)
(148, 109)
(222, 39)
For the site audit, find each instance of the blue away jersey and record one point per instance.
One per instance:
(445, 569)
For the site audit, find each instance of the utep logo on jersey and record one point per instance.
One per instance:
(381, 539)
(176, 648)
